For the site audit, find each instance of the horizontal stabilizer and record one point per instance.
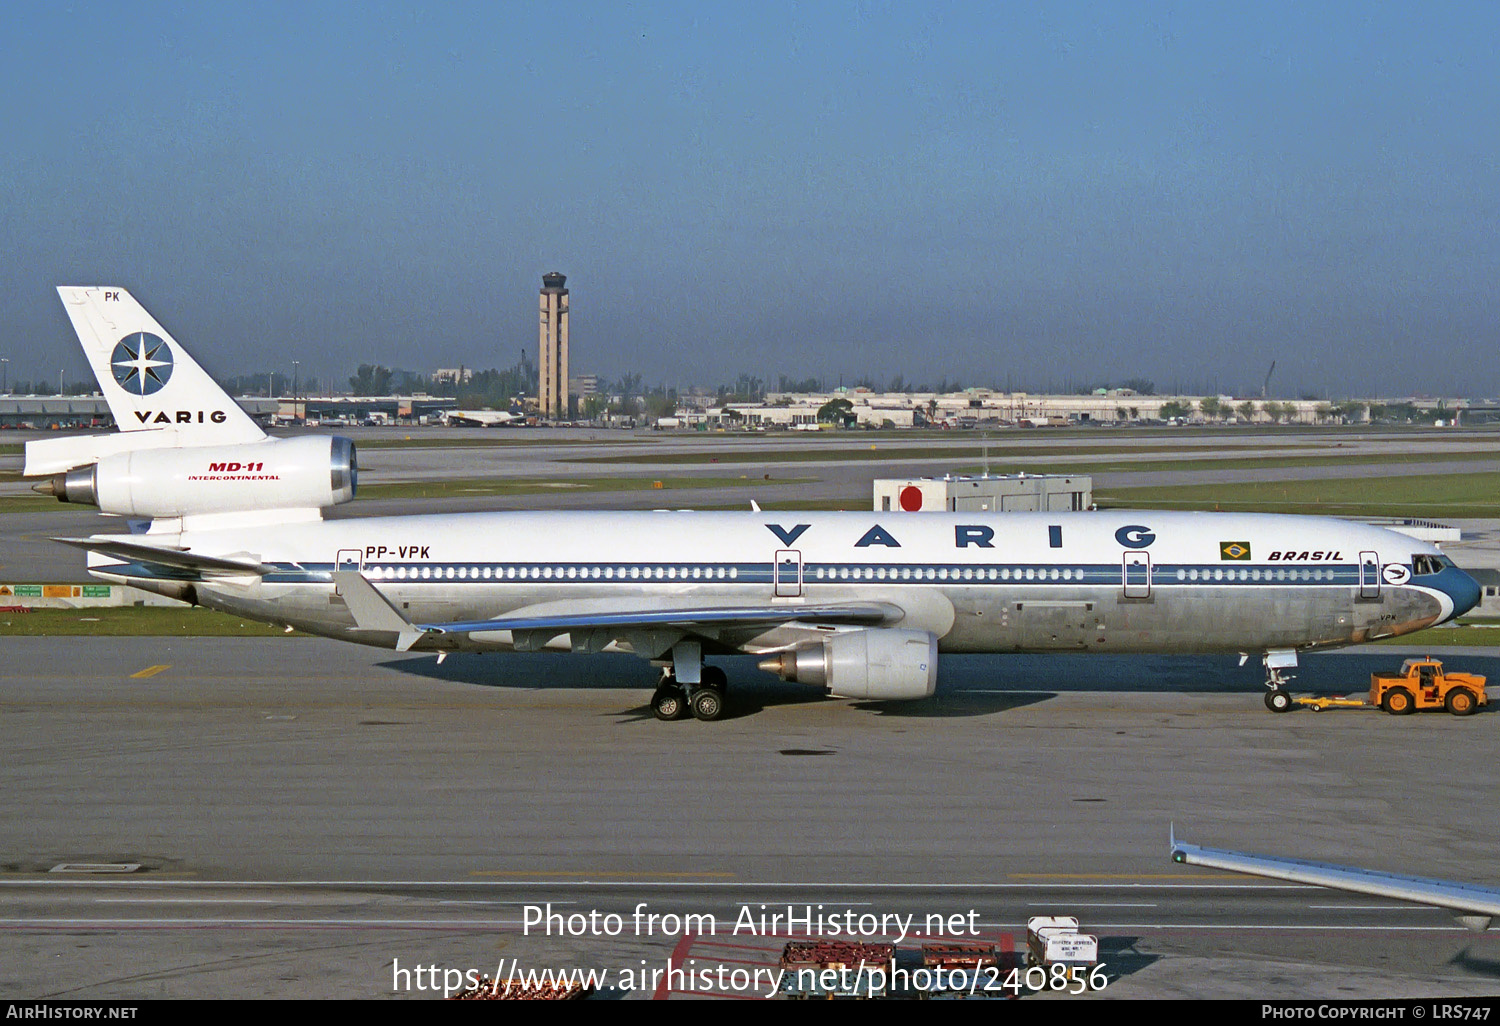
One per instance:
(177, 559)
(58, 455)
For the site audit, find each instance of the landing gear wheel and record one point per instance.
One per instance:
(1461, 701)
(1278, 700)
(708, 703)
(1398, 702)
(669, 702)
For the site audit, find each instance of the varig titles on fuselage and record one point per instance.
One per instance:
(1133, 536)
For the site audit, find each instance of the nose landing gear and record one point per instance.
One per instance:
(1278, 699)
(1277, 661)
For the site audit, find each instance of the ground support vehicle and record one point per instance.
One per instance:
(835, 969)
(961, 970)
(1055, 944)
(1420, 685)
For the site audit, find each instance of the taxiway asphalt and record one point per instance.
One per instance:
(305, 812)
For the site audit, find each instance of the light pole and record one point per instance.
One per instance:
(5, 374)
(294, 390)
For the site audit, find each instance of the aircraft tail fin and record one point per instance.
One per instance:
(149, 381)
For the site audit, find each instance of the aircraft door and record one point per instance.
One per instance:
(1369, 575)
(1136, 574)
(349, 559)
(787, 571)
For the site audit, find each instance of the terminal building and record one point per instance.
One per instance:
(46, 413)
(49, 412)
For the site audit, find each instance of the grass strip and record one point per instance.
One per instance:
(1417, 495)
(812, 454)
(136, 621)
(464, 488)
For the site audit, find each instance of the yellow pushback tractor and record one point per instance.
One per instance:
(1420, 685)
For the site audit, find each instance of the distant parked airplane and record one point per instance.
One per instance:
(479, 418)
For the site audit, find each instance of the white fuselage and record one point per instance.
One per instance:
(1130, 581)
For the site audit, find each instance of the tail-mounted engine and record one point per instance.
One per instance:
(288, 473)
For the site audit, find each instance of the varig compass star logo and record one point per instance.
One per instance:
(142, 363)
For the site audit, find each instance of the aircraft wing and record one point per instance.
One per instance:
(861, 613)
(161, 556)
(372, 611)
(1473, 905)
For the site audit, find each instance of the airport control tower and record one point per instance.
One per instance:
(552, 368)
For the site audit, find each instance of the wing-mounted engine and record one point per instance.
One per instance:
(288, 473)
(887, 664)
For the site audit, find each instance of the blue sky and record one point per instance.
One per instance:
(1034, 193)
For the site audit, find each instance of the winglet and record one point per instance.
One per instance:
(372, 611)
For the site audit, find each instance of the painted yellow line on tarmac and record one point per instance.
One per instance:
(552, 873)
(150, 671)
(1125, 876)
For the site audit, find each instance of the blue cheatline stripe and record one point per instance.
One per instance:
(962, 574)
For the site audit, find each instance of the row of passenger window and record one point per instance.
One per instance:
(672, 573)
(1279, 574)
(967, 573)
(555, 573)
(866, 573)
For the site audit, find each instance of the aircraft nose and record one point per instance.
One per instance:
(1460, 587)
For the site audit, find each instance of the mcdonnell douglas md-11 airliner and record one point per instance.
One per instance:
(861, 604)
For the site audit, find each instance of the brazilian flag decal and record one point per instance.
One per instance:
(1234, 550)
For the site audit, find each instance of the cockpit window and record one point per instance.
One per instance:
(1422, 565)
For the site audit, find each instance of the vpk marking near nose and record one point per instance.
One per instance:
(399, 551)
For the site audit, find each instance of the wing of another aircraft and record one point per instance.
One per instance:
(373, 611)
(1473, 905)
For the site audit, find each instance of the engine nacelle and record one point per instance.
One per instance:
(288, 473)
(881, 663)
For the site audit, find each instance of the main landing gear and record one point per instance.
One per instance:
(704, 699)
